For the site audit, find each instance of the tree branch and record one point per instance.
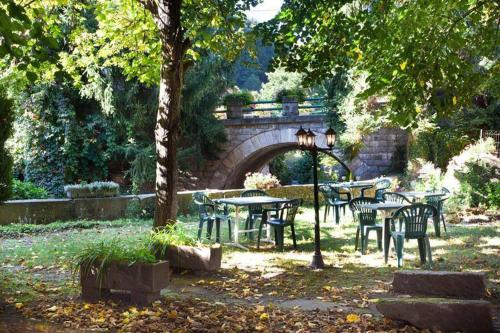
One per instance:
(151, 6)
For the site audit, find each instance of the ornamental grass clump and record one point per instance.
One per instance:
(92, 190)
(170, 235)
(98, 257)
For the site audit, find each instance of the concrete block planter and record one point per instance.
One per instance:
(195, 258)
(466, 285)
(92, 190)
(440, 314)
(143, 281)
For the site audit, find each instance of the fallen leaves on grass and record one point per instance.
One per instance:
(198, 315)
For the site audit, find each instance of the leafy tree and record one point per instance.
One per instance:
(251, 67)
(278, 80)
(154, 41)
(6, 119)
(437, 54)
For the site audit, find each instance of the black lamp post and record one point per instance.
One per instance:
(306, 141)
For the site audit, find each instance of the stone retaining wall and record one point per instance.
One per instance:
(380, 153)
(50, 210)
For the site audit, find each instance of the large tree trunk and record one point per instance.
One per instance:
(166, 133)
(167, 15)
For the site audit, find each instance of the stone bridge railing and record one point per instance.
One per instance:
(272, 109)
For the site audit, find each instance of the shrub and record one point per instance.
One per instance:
(422, 175)
(238, 98)
(473, 175)
(92, 190)
(143, 209)
(493, 194)
(296, 94)
(6, 120)
(27, 190)
(260, 181)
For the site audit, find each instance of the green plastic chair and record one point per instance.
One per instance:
(332, 200)
(254, 211)
(380, 185)
(286, 217)
(395, 197)
(367, 221)
(436, 201)
(209, 213)
(410, 222)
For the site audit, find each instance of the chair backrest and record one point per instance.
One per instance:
(412, 220)
(254, 209)
(380, 187)
(206, 206)
(327, 192)
(433, 200)
(383, 184)
(336, 192)
(363, 215)
(253, 193)
(289, 211)
(395, 197)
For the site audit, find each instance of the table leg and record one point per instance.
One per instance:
(236, 228)
(387, 238)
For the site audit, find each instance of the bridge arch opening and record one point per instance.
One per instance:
(259, 159)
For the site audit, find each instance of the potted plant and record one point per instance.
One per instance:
(290, 99)
(234, 103)
(183, 251)
(92, 190)
(120, 265)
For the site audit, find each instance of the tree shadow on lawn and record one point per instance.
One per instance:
(350, 276)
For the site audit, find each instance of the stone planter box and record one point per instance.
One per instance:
(289, 107)
(143, 281)
(195, 258)
(234, 111)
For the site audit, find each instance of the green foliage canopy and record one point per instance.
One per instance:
(435, 53)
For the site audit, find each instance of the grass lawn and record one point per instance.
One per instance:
(36, 265)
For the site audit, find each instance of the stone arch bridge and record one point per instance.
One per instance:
(254, 142)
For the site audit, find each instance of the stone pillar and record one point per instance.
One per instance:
(290, 107)
(234, 111)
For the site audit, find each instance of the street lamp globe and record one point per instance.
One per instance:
(311, 139)
(301, 137)
(331, 136)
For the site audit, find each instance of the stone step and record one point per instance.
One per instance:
(444, 284)
(439, 314)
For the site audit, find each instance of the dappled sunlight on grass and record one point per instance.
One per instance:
(349, 278)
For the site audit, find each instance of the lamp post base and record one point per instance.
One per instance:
(317, 262)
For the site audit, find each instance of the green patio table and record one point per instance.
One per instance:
(239, 202)
(414, 195)
(353, 185)
(386, 209)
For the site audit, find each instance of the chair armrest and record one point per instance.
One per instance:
(363, 189)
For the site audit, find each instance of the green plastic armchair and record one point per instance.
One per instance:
(367, 221)
(410, 222)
